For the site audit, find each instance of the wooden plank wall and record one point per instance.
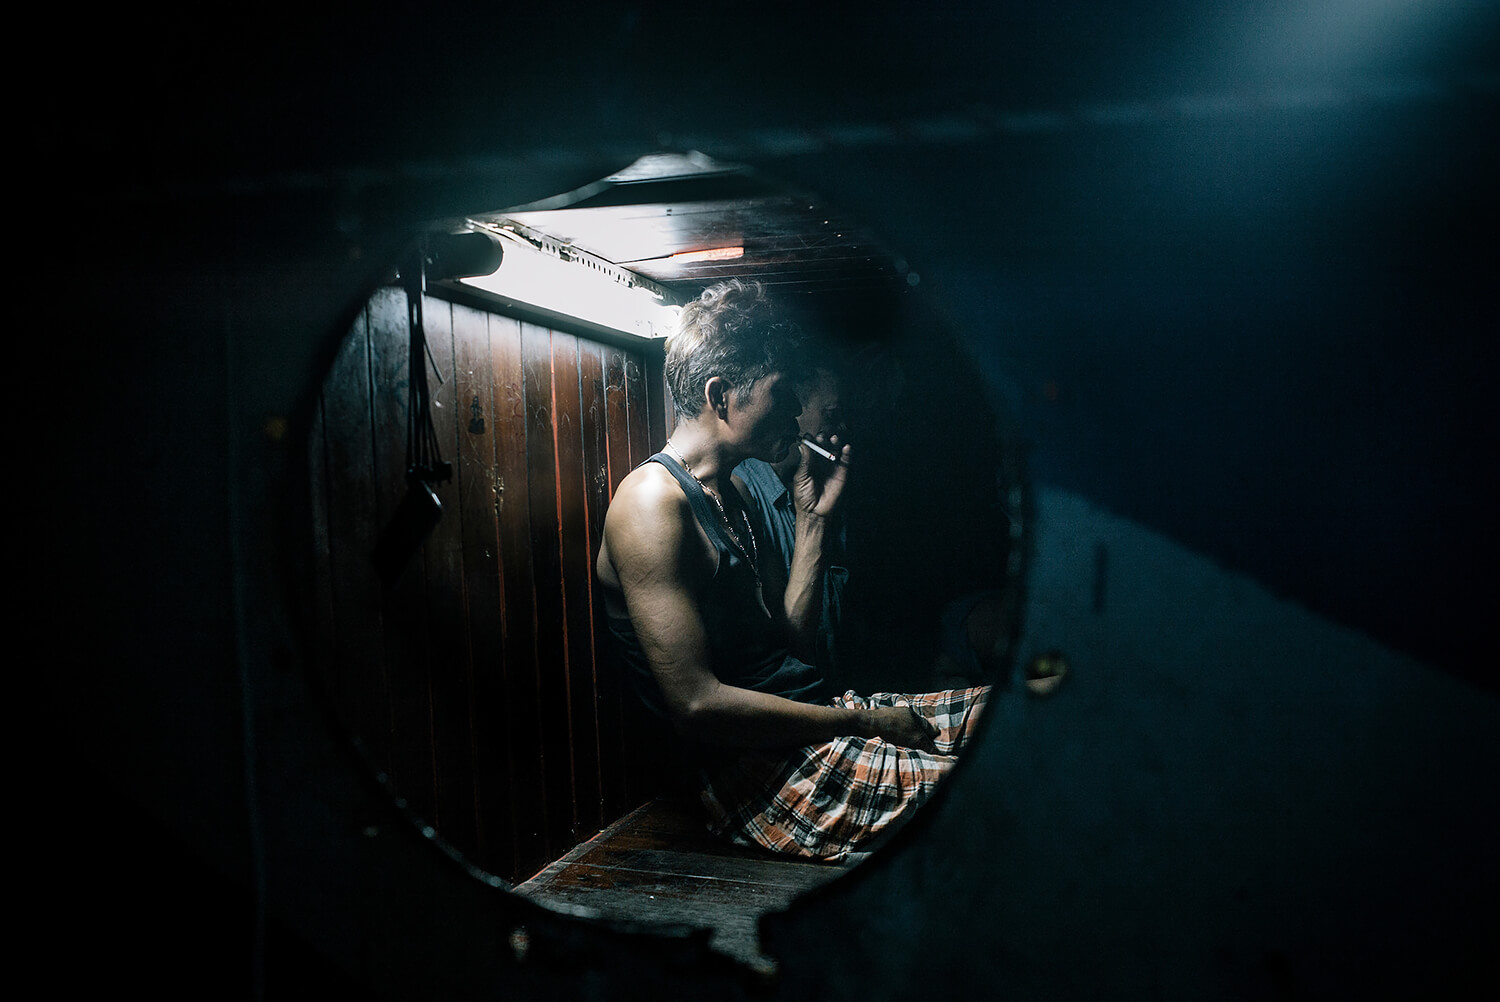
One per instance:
(479, 681)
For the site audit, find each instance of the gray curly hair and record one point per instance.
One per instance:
(733, 330)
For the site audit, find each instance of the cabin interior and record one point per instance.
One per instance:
(1176, 323)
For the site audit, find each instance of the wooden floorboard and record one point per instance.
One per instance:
(658, 864)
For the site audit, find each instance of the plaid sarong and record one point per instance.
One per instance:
(828, 800)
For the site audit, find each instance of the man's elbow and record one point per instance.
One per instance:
(696, 717)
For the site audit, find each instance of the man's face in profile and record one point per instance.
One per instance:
(821, 411)
(767, 418)
(822, 415)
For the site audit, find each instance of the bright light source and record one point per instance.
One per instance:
(712, 254)
(575, 290)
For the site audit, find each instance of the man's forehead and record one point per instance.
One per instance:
(822, 384)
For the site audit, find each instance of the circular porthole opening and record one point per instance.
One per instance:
(480, 413)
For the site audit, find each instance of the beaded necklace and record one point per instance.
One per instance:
(753, 553)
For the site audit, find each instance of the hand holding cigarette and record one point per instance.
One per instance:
(817, 486)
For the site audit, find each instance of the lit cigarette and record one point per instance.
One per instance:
(815, 447)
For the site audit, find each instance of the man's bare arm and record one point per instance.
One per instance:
(804, 586)
(662, 563)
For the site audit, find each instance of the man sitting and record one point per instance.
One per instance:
(782, 761)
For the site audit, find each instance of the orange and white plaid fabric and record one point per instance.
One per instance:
(825, 801)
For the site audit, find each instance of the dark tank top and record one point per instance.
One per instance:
(745, 644)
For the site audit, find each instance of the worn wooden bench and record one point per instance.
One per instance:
(659, 864)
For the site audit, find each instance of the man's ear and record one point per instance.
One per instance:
(716, 393)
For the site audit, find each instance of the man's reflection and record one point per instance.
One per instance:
(969, 642)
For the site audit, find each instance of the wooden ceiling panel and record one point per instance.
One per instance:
(673, 204)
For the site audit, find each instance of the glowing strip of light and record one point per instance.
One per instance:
(529, 276)
(712, 254)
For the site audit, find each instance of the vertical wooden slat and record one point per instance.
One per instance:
(357, 630)
(518, 597)
(638, 405)
(608, 682)
(659, 400)
(404, 601)
(642, 780)
(617, 452)
(479, 425)
(577, 578)
(618, 418)
(546, 556)
(450, 680)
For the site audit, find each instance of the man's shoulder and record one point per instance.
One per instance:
(755, 467)
(648, 486)
(648, 522)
